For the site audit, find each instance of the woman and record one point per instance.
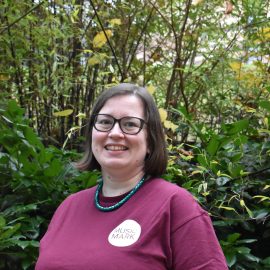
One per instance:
(133, 219)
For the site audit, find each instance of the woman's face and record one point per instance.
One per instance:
(115, 150)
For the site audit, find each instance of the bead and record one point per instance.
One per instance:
(120, 203)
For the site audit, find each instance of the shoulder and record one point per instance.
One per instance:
(76, 199)
(72, 205)
(169, 190)
(181, 204)
(79, 197)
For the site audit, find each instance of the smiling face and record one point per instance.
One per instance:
(114, 150)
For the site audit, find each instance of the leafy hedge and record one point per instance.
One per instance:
(34, 180)
(228, 173)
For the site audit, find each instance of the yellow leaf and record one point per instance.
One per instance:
(163, 114)
(249, 109)
(228, 208)
(196, 172)
(170, 125)
(115, 22)
(73, 129)
(81, 115)
(100, 38)
(262, 198)
(242, 203)
(266, 122)
(265, 33)
(151, 89)
(87, 51)
(93, 60)
(63, 113)
(96, 59)
(214, 162)
(235, 66)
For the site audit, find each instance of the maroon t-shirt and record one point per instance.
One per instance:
(160, 227)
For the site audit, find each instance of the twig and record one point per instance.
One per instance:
(103, 30)
(139, 39)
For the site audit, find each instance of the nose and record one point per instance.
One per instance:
(116, 131)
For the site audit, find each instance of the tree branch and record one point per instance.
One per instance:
(103, 30)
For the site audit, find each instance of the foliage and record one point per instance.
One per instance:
(34, 180)
(206, 63)
(229, 175)
(58, 55)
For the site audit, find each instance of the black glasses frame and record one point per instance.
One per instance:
(118, 120)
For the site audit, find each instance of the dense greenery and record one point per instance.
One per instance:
(34, 180)
(206, 63)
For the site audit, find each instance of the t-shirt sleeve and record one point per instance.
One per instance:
(193, 240)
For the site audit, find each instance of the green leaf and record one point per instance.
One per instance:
(63, 113)
(24, 244)
(10, 231)
(54, 169)
(6, 119)
(233, 237)
(202, 159)
(266, 261)
(213, 145)
(230, 258)
(252, 258)
(14, 109)
(265, 104)
(2, 222)
(238, 126)
(246, 241)
(243, 250)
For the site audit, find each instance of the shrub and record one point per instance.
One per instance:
(34, 180)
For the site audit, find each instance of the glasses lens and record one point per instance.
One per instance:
(103, 122)
(131, 125)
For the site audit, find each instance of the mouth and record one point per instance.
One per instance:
(116, 147)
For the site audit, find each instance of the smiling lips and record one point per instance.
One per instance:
(116, 147)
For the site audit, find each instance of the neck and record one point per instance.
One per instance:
(115, 185)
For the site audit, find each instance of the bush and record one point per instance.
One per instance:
(229, 175)
(34, 180)
(228, 172)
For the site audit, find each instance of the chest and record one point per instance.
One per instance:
(131, 239)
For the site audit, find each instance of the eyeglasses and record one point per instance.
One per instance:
(128, 125)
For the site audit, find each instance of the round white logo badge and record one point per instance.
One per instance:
(125, 234)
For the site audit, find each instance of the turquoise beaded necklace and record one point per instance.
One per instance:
(120, 203)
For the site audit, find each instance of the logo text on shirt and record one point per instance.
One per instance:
(125, 234)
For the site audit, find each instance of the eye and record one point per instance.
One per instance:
(103, 120)
(131, 123)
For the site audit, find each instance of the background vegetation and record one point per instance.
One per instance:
(206, 63)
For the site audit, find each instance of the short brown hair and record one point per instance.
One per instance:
(156, 160)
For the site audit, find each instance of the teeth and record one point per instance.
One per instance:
(116, 147)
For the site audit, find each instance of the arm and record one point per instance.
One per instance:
(195, 246)
(193, 240)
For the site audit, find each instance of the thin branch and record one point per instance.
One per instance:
(103, 30)
(139, 39)
(162, 16)
(24, 15)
